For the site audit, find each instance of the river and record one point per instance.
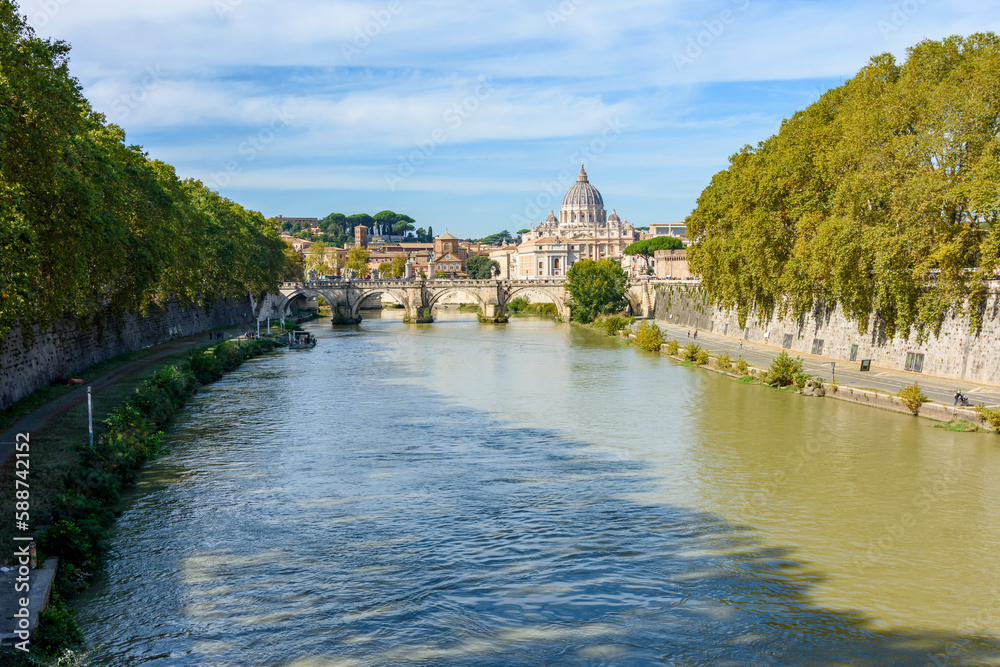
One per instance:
(537, 494)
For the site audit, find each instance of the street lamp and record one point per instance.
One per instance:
(833, 369)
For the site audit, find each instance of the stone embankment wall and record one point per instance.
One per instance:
(956, 352)
(63, 348)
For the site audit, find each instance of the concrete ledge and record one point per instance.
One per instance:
(41, 581)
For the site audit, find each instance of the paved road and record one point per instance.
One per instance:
(939, 390)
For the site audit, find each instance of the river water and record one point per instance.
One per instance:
(537, 494)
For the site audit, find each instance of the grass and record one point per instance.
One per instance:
(54, 448)
(963, 426)
(748, 379)
(18, 410)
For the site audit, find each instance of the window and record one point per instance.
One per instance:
(817, 346)
(786, 342)
(556, 265)
(914, 362)
(854, 353)
(725, 330)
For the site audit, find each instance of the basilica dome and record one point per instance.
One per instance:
(582, 193)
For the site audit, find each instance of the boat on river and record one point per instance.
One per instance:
(301, 340)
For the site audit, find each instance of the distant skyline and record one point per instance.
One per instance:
(471, 117)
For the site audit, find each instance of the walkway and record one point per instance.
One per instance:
(938, 390)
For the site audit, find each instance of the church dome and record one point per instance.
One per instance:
(614, 216)
(582, 193)
(552, 217)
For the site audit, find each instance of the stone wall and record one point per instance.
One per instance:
(954, 353)
(63, 348)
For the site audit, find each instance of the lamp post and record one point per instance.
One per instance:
(833, 369)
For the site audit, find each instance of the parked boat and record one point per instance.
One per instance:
(300, 340)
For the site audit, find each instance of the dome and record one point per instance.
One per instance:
(582, 193)
(614, 216)
(552, 217)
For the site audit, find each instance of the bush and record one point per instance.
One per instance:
(701, 357)
(690, 351)
(612, 324)
(648, 336)
(912, 397)
(672, 347)
(742, 367)
(800, 380)
(724, 362)
(783, 370)
(57, 631)
(989, 415)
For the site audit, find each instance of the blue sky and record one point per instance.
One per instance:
(470, 116)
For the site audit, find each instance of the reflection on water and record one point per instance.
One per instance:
(533, 494)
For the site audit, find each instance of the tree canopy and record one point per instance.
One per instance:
(882, 196)
(596, 288)
(90, 225)
(648, 247)
(481, 267)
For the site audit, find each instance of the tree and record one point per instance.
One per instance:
(398, 266)
(879, 197)
(357, 259)
(499, 237)
(294, 264)
(648, 247)
(316, 258)
(481, 267)
(596, 288)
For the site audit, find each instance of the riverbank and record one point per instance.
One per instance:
(876, 387)
(74, 488)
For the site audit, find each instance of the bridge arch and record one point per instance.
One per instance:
(288, 297)
(398, 295)
(559, 301)
(440, 293)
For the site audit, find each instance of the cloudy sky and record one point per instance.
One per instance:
(471, 116)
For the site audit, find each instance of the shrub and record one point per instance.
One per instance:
(912, 397)
(989, 415)
(690, 351)
(672, 347)
(800, 380)
(783, 370)
(701, 357)
(741, 366)
(57, 631)
(612, 324)
(648, 336)
(723, 361)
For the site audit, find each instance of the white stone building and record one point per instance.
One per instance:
(583, 230)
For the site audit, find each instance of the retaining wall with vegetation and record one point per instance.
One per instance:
(63, 348)
(955, 352)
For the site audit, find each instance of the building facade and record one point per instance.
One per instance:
(583, 230)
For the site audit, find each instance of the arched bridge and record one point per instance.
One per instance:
(419, 297)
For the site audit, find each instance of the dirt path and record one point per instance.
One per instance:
(41, 417)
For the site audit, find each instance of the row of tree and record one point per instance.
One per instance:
(882, 196)
(338, 229)
(89, 224)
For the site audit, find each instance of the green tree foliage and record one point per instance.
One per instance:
(357, 259)
(481, 267)
(498, 238)
(648, 336)
(89, 226)
(596, 288)
(881, 197)
(647, 247)
(783, 370)
(912, 397)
